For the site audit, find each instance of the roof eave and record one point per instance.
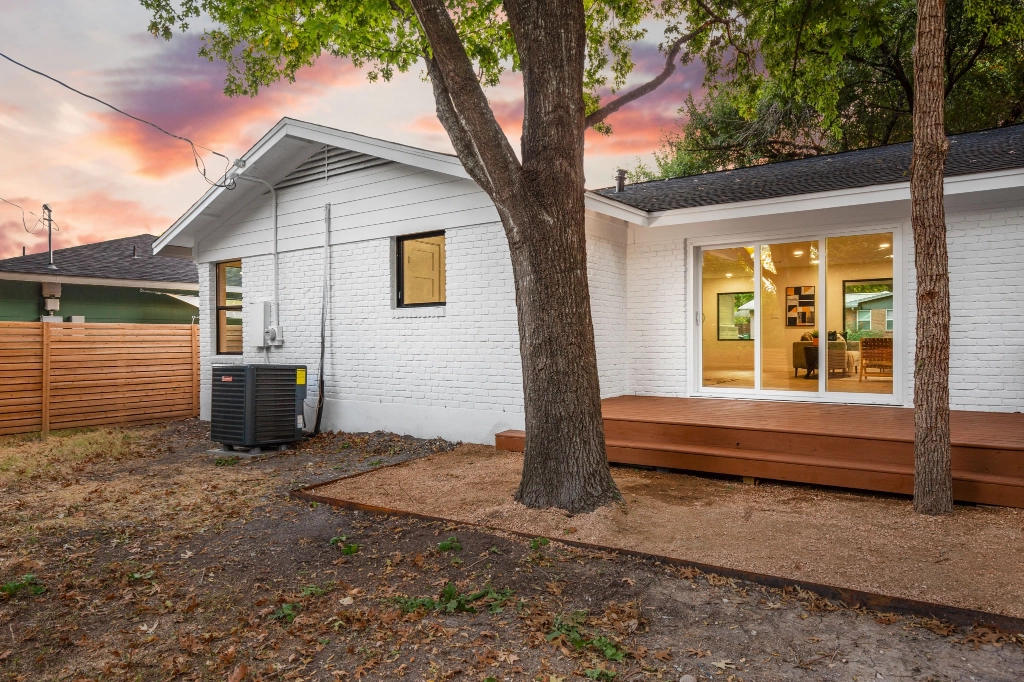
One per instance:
(288, 127)
(97, 281)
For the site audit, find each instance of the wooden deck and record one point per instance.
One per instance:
(850, 446)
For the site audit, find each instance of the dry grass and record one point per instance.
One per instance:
(64, 454)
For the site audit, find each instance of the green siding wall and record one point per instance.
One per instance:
(22, 302)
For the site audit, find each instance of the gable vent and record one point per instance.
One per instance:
(332, 162)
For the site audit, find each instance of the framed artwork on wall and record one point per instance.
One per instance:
(799, 306)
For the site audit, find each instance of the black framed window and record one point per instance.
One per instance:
(420, 270)
(229, 308)
(735, 315)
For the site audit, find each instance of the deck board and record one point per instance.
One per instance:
(1002, 430)
(852, 446)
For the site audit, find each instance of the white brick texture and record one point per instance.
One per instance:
(456, 372)
(656, 318)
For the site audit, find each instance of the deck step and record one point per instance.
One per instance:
(891, 472)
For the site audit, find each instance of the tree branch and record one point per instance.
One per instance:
(650, 86)
(468, 104)
(462, 141)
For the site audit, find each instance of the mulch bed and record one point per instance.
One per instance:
(972, 559)
(174, 564)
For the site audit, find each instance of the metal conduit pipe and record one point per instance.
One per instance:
(276, 318)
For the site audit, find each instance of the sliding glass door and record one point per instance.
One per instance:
(813, 316)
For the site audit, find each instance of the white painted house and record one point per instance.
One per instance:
(701, 286)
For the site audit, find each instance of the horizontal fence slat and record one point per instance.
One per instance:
(95, 374)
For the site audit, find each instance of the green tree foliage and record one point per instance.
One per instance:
(264, 41)
(834, 75)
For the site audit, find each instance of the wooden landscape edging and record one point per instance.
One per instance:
(59, 375)
(850, 597)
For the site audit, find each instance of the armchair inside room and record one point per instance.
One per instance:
(839, 360)
(875, 353)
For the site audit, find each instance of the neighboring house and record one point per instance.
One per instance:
(701, 286)
(120, 280)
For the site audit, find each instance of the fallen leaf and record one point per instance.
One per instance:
(663, 655)
(239, 673)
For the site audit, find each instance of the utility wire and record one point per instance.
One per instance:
(30, 230)
(200, 164)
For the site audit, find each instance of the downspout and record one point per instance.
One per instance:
(321, 392)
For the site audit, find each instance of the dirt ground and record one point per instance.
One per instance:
(973, 558)
(133, 554)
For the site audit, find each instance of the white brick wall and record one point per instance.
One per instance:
(456, 372)
(656, 318)
(606, 274)
(986, 253)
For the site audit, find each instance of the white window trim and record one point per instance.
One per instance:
(693, 304)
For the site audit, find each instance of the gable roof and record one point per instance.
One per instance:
(978, 152)
(128, 258)
(287, 150)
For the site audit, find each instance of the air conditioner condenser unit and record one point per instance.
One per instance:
(257, 406)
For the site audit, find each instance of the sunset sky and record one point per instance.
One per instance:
(106, 176)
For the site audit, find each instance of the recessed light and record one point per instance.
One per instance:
(798, 253)
(728, 274)
(883, 245)
(814, 261)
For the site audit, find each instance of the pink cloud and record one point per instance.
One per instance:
(81, 219)
(638, 128)
(182, 93)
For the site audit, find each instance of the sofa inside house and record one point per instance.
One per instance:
(843, 356)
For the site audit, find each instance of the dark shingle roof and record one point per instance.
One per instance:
(108, 260)
(987, 150)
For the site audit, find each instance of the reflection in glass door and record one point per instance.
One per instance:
(804, 317)
(861, 316)
(727, 290)
(789, 322)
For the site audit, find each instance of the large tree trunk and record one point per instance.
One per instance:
(933, 478)
(565, 464)
(541, 204)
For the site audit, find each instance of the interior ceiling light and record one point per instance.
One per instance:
(883, 245)
(728, 274)
(766, 260)
(798, 253)
(814, 261)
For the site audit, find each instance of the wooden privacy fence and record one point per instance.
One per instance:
(58, 375)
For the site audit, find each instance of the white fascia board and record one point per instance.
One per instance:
(392, 151)
(100, 282)
(288, 127)
(616, 209)
(858, 196)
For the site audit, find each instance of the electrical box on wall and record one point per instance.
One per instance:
(51, 289)
(256, 328)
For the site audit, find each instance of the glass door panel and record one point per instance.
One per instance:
(789, 321)
(860, 313)
(727, 290)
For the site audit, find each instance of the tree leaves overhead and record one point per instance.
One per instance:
(834, 75)
(263, 42)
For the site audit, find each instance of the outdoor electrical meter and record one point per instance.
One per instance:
(257, 406)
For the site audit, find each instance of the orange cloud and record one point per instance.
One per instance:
(183, 94)
(81, 219)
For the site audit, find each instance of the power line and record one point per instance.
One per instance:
(200, 164)
(30, 230)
